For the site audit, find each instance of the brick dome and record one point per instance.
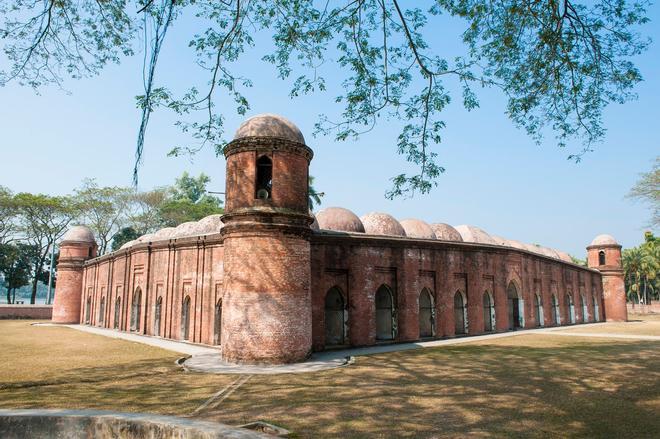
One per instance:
(269, 125)
(499, 240)
(165, 233)
(210, 224)
(474, 234)
(564, 256)
(604, 240)
(417, 229)
(185, 229)
(515, 244)
(146, 238)
(377, 223)
(339, 220)
(445, 232)
(79, 234)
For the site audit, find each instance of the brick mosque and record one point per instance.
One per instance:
(270, 283)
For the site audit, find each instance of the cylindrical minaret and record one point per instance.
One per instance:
(77, 246)
(604, 254)
(266, 290)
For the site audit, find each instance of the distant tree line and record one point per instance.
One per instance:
(641, 267)
(31, 225)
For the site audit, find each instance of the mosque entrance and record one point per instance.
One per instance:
(460, 314)
(385, 327)
(426, 314)
(515, 307)
(334, 317)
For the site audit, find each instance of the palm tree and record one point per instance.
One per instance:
(314, 198)
(632, 266)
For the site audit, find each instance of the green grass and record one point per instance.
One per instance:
(523, 386)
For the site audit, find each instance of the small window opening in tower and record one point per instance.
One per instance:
(601, 258)
(264, 178)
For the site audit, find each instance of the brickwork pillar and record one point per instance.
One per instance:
(77, 246)
(267, 308)
(604, 254)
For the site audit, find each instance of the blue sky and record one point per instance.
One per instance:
(496, 177)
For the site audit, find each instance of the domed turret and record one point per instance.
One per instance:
(269, 125)
(77, 246)
(266, 244)
(604, 254)
(377, 223)
(82, 234)
(339, 220)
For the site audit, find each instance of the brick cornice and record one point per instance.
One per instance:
(267, 144)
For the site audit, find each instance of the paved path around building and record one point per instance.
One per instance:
(207, 359)
(170, 345)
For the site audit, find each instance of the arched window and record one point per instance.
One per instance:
(136, 310)
(585, 310)
(596, 313)
(556, 316)
(335, 320)
(88, 310)
(217, 326)
(570, 308)
(264, 183)
(385, 314)
(489, 312)
(426, 314)
(185, 318)
(158, 310)
(102, 311)
(601, 258)
(538, 306)
(460, 314)
(117, 311)
(515, 306)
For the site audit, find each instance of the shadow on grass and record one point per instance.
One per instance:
(581, 390)
(144, 386)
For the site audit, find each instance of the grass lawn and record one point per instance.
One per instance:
(637, 325)
(527, 385)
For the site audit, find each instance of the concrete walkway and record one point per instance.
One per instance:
(208, 359)
(170, 345)
(609, 335)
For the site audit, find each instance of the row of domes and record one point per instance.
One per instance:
(339, 219)
(205, 226)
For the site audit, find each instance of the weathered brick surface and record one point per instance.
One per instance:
(69, 287)
(40, 312)
(614, 293)
(270, 273)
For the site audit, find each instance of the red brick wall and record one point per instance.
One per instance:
(37, 312)
(358, 266)
(266, 303)
(189, 267)
(66, 303)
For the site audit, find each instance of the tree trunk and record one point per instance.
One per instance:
(8, 295)
(13, 295)
(35, 281)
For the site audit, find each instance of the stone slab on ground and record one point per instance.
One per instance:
(49, 423)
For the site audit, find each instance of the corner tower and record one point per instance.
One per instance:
(267, 315)
(77, 246)
(604, 254)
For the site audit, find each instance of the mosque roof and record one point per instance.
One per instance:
(269, 125)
